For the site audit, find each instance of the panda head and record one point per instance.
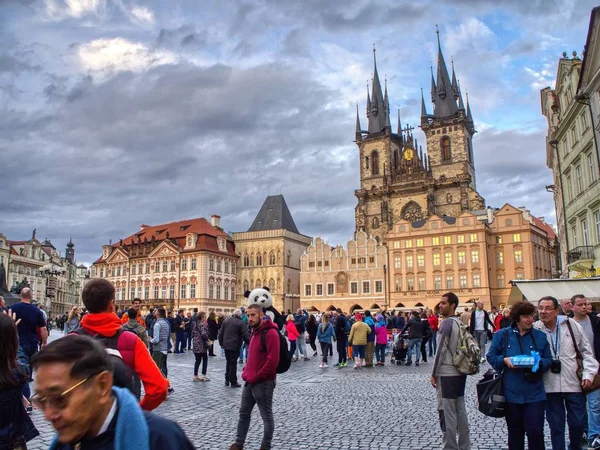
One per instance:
(261, 297)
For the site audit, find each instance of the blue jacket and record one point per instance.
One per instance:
(327, 335)
(517, 389)
(371, 335)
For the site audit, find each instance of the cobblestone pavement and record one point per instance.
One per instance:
(391, 407)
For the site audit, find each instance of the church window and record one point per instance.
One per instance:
(289, 257)
(446, 152)
(272, 259)
(367, 162)
(470, 150)
(412, 212)
(289, 286)
(246, 260)
(375, 163)
(259, 260)
(375, 222)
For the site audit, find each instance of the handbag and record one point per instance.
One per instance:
(579, 357)
(490, 392)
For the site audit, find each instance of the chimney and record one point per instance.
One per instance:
(490, 215)
(215, 221)
(543, 219)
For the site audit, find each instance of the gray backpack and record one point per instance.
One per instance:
(467, 356)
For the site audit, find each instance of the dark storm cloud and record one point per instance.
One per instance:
(235, 102)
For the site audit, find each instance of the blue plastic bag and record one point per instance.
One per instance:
(526, 362)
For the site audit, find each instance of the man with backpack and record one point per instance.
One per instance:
(103, 324)
(259, 375)
(448, 381)
(342, 330)
(300, 321)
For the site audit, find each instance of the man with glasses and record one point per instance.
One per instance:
(75, 392)
(563, 388)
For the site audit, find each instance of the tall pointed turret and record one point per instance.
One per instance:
(388, 123)
(445, 102)
(358, 129)
(461, 104)
(368, 102)
(469, 115)
(377, 119)
(423, 107)
(455, 88)
(399, 124)
(433, 88)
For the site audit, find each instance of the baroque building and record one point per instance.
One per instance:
(397, 179)
(351, 278)
(269, 254)
(186, 264)
(474, 255)
(572, 155)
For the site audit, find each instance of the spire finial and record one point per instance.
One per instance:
(437, 31)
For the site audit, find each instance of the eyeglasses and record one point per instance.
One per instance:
(57, 401)
(548, 309)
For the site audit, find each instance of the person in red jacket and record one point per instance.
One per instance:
(137, 304)
(434, 324)
(260, 375)
(98, 297)
(292, 335)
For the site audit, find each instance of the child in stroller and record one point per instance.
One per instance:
(400, 349)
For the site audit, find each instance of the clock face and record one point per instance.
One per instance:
(409, 153)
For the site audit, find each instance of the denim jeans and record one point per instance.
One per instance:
(260, 394)
(187, 340)
(301, 346)
(414, 343)
(325, 351)
(243, 349)
(432, 344)
(481, 338)
(28, 351)
(359, 351)
(574, 403)
(380, 352)
(525, 418)
(292, 348)
(179, 341)
(593, 404)
(200, 358)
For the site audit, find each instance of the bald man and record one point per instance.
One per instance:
(32, 319)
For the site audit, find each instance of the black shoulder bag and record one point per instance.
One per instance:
(490, 393)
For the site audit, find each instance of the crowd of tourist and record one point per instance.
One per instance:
(108, 355)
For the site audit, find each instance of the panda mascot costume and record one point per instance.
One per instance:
(262, 297)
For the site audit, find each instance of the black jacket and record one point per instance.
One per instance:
(213, 329)
(596, 327)
(416, 327)
(233, 332)
(486, 320)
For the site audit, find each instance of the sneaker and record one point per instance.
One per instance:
(321, 366)
(197, 378)
(356, 367)
(315, 354)
(595, 444)
(325, 366)
(482, 360)
(240, 361)
(236, 447)
(170, 391)
(417, 364)
(337, 365)
(204, 378)
(236, 385)
(409, 363)
(306, 358)
(584, 439)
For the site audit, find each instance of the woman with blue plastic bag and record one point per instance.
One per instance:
(523, 385)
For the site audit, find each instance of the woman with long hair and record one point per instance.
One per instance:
(311, 329)
(200, 345)
(16, 428)
(292, 335)
(213, 332)
(72, 322)
(326, 335)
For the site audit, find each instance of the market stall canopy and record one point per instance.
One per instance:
(533, 290)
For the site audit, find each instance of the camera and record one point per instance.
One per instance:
(555, 366)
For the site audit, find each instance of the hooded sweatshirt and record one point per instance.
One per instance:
(262, 362)
(381, 332)
(155, 385)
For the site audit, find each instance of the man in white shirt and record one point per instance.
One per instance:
(591, 327)
(564, 390)
(479, 327)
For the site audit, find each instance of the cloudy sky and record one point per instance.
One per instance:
(115, 113)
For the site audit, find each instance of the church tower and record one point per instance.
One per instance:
(70, 252)
(386, 159)
(449, 132)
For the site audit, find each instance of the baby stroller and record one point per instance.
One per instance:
(400, 350)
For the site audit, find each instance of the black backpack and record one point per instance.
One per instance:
(123, 375)
(285, 359)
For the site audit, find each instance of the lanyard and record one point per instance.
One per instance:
(555, 341)
(516, 331)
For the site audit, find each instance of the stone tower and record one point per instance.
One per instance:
(449, 132)
(397, 179)
(70, 252)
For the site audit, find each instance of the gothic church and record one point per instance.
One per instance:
(397, 179)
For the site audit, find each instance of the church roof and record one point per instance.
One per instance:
(274, 215)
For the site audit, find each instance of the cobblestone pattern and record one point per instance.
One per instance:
(391, 407)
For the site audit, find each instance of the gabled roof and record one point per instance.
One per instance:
(274, 215)
(544, 226)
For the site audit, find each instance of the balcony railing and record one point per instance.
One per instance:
(579, 253)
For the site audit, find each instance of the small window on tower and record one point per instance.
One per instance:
(375, 163)
(367, 163)
(446, 152)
